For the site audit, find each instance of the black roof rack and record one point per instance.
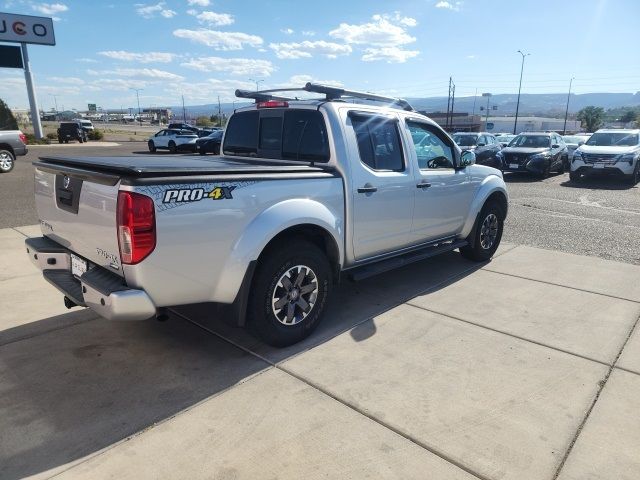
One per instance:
(330, 93)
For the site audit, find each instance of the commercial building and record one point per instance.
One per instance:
(529, 124)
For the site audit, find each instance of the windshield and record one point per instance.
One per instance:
(465, 140)
(531, 141)
(613, 139)
(573, 140)
(215, 135)
(505, 138)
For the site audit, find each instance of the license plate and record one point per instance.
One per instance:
(78, 265)
(514, 165)
(598, 165)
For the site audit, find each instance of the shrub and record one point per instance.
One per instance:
(52, 136)
(7, 120)
(95, 135)
(32, 140)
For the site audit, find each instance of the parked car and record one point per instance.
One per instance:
(203, 132)
(609, 152)
(13, 143)
(573, 142)
(538, 153)
(86, 125)
(269, 227)
(173, 140)
(183, 126)
(505, 139)
(210, 143)
(484, 145)
(71, 131)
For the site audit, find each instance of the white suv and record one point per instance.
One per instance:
(609, 151)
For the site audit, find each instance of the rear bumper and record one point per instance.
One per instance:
(19, 151)
(100, 290)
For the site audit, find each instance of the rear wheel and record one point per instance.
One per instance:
(634, 178)
(152, 146)
(289, 293)
(487, 234)
(574, 176)
(172, 147)
(7, 161)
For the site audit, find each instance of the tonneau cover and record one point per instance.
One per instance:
(150, 165)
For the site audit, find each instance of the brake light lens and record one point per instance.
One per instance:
(23, 138)
(136, 219)
(272, 104)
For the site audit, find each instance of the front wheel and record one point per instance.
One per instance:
(634, 178)
(574, 176)
(7, 161)
(152, 146)
(487, 234)
(289, 293)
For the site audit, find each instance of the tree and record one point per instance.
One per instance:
(203, 121)
(7, 120)
(591, 117)
(628, 116)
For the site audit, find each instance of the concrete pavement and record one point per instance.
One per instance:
(527, 367)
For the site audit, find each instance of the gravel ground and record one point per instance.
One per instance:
(595, 217)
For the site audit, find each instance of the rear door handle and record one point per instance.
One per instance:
(367, 189)
(423, 185)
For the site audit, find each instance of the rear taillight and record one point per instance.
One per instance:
(136, 227)
(23, 138)
(272, 104)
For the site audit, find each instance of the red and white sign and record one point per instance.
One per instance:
(26, 29)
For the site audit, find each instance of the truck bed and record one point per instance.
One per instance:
(155, 166)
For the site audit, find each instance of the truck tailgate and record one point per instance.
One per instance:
(77, 209)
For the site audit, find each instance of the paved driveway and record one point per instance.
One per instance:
(527, 367)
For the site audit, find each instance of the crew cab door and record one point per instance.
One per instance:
(382, 185)
(443, 192)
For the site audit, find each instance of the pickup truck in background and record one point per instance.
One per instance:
(13, 143)
(305, 193)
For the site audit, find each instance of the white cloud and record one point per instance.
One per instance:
(455, 6)
(148, 73)
(217, 19)
(306, 49)
(287, 31)
(300, 80)
(388, 54)
(200, 3)
(49, 8)
(117, 84)
(234, 66)
(150, 11)
(219, 40)
(147, 57)
(67, 80)
(86, 60)
(209, 89)
(308, 33)
(382, 31)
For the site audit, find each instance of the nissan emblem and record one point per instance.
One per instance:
(66, 181)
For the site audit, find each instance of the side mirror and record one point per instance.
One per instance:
(555, 145)
(580, 143)
(480, 144)
(467, 158)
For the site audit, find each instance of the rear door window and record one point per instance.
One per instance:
(378, 142)
(305, 136)
(242, 134)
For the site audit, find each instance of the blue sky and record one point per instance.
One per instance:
(205, 48)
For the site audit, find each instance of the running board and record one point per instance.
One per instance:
(360, 273)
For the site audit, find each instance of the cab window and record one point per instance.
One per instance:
(433, 152)
(378, 142)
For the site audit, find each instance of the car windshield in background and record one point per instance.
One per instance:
(613, 139)
(531, 141)
(215, 135)
(573, 140)
(465, 140)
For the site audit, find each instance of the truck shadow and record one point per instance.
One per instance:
(69, 391)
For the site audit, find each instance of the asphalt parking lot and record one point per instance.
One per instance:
(525, 367)
(597, 217)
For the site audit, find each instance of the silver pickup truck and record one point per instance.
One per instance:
(12, 144)
(305, 193)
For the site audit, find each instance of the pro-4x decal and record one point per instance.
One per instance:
(180, 195)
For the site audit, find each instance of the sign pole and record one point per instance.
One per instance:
(35, 113)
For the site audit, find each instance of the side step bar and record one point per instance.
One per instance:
(360, 273)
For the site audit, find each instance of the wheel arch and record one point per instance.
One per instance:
(9, 148)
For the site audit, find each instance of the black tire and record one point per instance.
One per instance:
(60, 141)
(481, 250)
(172, 147)
(634, 178)
(562, 166)
(574, 176)
(80, 140)
(66, 141)
(546, 171)
(267, 284)
(202, 152)
(152, 146)
(7, 161)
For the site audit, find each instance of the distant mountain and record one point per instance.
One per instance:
(542, 104)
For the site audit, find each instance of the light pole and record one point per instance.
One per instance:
(486, 121)
(515, 123)
(55, 101)
(257, 82)
(138, 90)
(566, 112)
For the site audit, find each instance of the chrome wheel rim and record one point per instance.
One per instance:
(489, 231)
(294, 295)
(6, 162)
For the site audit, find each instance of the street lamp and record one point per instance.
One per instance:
(486, 121)
(257, 82)
(566, 112)
(138, 90)
(55, 100)
(515, 123)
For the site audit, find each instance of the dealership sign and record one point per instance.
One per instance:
(26, 29)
